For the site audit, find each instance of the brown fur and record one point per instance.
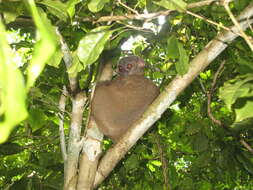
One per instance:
(118, 103)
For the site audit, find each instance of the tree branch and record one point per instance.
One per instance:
(78, 100)
(62, 104)
(164, 100)
(68, 62)
(246, 38)
(129, 8)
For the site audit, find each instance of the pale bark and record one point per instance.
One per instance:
(62, 104)
(92, 146)
(74, 141)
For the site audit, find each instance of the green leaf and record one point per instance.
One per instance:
(36, 119)
(97, 5)
(244, 62)
(46, 42)
(156, 163)
(57, 8)
(158, 75)
(12, 90)
(237, 88)
(91, 45)
(11, 10)
(178, 5)
(71, 7)
(176, 51)
(183, 64)
(244, 112)
(151, 167)
(55, 60)
(75, 67)
(172, 49)
(205, 75)
(132, 162)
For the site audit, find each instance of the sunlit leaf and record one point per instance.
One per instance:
(156, 163)
(46, 42)
(97, 5)
(91, 45)
(244, 112)
(12, 90)
(55, 60)
(71, 7)
(57, 8)
(178, 5)
(151, 167)
(205, 75)
(237, 88)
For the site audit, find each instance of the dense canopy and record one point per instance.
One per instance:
(196, 135)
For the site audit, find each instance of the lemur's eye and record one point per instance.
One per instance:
(121, 68)
(129, 66)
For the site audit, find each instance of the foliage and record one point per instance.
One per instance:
(185, 145)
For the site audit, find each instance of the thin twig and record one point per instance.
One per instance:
(62, 104)
(209, 96)
(133, 17)
(232, 17)
(201, 3)
(202, 85)
(127, 7)
(135, 27)
(127, 17)
(251, 28)
(217, 75)
(122, 31)
(212, 22)
(246, 145)
(209, 111)
(138, 16)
